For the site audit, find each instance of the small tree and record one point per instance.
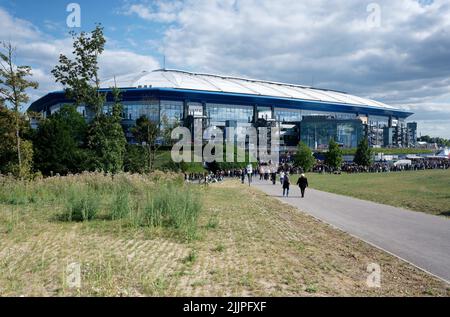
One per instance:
(59, 142)
(304, 157)
(13, 86)
(146, 132)
(79, 76)
(106, 138)
(363, 155)
(333, 157)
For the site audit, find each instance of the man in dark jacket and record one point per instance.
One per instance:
(286, 184)
(302, 183)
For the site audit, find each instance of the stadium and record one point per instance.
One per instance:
(309, 114)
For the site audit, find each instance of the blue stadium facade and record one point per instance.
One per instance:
(302, 113)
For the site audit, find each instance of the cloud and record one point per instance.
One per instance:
(403, 62)
(158, 11)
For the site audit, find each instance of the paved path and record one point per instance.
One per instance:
(419, 238)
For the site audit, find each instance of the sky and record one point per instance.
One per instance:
(396, 52)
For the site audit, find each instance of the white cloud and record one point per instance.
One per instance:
(404, 62)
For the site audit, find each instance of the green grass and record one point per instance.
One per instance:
(157, 200)
(425, 191)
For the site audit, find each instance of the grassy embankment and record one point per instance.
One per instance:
(149, 237)
(426, 191)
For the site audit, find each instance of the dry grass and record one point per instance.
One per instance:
(248, 245)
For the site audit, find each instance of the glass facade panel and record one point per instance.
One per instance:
(317, 132)
(287, 115)
(135, 110)
(222, 113)
(172, 110)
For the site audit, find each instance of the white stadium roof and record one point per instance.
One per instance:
(176, 79)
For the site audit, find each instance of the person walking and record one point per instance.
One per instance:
(243, 176)
(274, 177)
(282, 177)
(286, 185)
(249, 171)
(302, 183)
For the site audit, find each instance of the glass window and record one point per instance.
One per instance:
(172, 110)
(135, 110)
(222, 113)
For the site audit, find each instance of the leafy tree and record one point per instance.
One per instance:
(8, 144)
(304, 157)
(146, 133)
(363, 155)
(79, 76)
(333, 157)
(106, 138)
(135, 160)
(13, 85)
(59, 143)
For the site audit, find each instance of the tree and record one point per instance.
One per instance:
(59, 143)
(13, 86)
(333, 157)
(106, 138)
(304, 157)
(363, 155)
(146, 133)
(79, 76)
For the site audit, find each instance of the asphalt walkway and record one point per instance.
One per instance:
(419, 238)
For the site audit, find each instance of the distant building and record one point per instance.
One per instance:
(302, 113)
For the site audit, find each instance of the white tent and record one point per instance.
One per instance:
(402, 162)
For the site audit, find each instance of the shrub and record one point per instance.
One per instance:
(120, 208)
(82, 204)
(173, 207)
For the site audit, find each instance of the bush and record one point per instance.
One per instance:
(173, 207)
(120, 207)
(82, 205)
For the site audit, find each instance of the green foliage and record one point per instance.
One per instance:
(146, 133)
(9, 162)
(363, 156)
(79, 75)
(239, 154)
(106, 139)
(82, 204)
(135, 160)
(14, 84)
(13, 79)
(59, 143)
(333, 157)
(439, 141)
(173, 207)
(304, 157)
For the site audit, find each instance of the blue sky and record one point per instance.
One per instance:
(400, 55)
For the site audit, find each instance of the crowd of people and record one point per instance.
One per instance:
(269, 172)
(385, 167)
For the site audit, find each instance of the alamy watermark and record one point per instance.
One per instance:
(74, 18)
(242, 144)
(374, 18)
(72, 275)
(374, 278)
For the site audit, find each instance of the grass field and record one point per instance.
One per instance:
(426, 191)
(246, 244)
